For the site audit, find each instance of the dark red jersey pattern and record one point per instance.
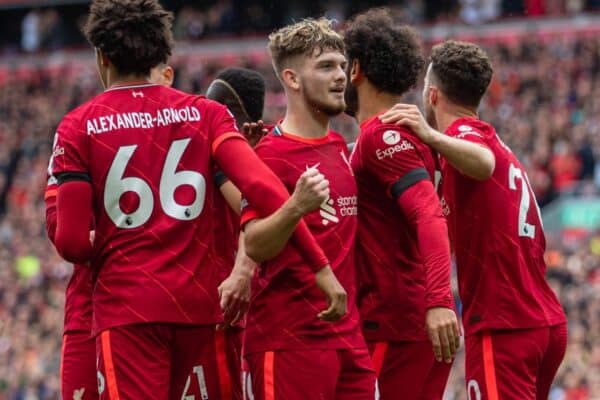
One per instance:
(498, 239)
(146, 151)
(393, 296)
(78, 298)
(285, 300)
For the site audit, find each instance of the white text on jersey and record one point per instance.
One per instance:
(130, 120)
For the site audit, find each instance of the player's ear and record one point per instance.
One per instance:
(355, 72)
(290, 79)
(434, 95)
(168, 75)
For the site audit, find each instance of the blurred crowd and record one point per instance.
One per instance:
(45, 28)
(544, 102)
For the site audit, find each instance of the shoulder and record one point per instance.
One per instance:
(205, 104)
(465, 127)
(390, 135)
(268, 144)
(73, 118)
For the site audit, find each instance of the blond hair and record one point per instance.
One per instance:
(302, 39)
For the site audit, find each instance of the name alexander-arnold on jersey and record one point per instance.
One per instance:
(144, 120)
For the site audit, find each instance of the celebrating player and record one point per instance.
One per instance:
(403, 248)
(78, 355)
(515, 331)
(134, 161)
(243, 92)
(291, 352)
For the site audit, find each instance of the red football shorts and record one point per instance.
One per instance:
(410, 369)
(513, 364)
(233, 358)
(78, 366)
(311, 374)
(162, 361)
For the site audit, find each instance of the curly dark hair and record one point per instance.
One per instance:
(462, 71)
(388, 53)
(135, 35)
(249, 86)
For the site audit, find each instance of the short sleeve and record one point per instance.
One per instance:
(222, 125)
(391, 156)
(69, 153)
(470, 134)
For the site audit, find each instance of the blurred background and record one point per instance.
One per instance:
(544, 101)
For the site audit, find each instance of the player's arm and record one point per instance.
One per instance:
(263, 189)
(230, 193)
(73, 216)
(407, 182)
(472, 158)
(266, 237)
(253, 132)
(50, 200)
(420, 205)
(235, 290)
(73, 193)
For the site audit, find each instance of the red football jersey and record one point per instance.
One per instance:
(285, 300)
(147, 152)
(227, 229)
(78, 297)
(391, 274)
(498, 239)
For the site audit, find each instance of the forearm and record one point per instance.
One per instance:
(73, 216)
(434, 248)
(51, 218)
(232, 195)
(421, 207)
(265, 238)
(243, 265)
(263, 189)
(471, 159)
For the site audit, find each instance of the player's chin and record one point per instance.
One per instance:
(336, 106)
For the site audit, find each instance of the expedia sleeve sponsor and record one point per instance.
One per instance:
(391, 150)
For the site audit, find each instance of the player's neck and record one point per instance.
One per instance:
(372, 102)
(450, 113)
(306, 123)
(115, 79)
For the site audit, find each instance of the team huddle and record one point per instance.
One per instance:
(280, 262)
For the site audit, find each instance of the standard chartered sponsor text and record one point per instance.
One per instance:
(347, 205)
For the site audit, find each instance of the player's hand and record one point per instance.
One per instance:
(442, 328)
(312, 189)
(234, 293)
(335, 293)
(410, 116)
(254, 131)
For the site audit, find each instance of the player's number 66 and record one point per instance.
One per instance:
(117, 185)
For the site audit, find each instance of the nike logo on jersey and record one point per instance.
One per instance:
(137, 94)
(316, 166)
